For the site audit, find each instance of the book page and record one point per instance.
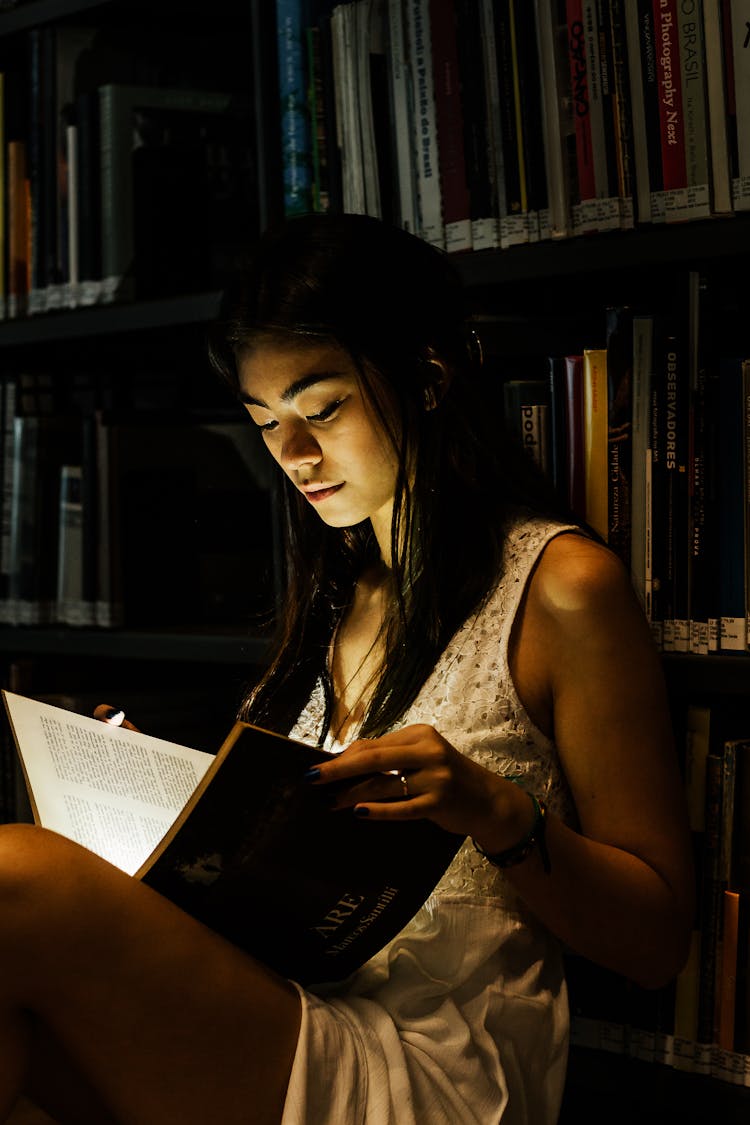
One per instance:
(115, 791)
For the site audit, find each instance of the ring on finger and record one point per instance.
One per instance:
(404, 785)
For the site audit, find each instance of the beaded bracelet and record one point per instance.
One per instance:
(534, 838)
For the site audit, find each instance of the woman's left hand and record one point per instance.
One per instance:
(415, 773)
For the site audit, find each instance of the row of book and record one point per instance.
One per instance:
(112, 515)
(489, 123)
(701, 1023)
(114, 184)
(648, 439)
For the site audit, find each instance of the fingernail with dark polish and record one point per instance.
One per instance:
(361, 811)
(312, 774)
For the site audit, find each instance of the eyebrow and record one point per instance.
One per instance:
(294, 388)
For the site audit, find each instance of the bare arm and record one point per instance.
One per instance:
(620, 891)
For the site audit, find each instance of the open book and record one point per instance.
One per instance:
(240, 840)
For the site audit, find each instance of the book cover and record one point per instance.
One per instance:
(622, 114)
(530, 103)
(241, 841)
(559, 449)
(402, 111)
(671, 110)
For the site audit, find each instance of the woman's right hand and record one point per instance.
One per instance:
(115, 716)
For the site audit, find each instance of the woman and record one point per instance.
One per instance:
(480, 660)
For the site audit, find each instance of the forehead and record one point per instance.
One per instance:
(275, 370)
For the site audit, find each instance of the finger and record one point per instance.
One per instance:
(367, 757)
(416, 808)
(114, 716)
(382, 787)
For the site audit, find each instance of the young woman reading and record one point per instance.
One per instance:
(478, 658)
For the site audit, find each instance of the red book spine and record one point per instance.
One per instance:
(670, 95)
(579, 83)
(449, 114)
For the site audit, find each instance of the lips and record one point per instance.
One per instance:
(316, 494)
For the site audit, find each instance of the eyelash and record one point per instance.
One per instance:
(323, 415)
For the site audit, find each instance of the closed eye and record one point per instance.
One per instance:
(326, 413)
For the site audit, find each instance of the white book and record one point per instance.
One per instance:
(347, 111)
(558, 189)
(425, 123)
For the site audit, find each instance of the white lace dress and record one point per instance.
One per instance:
(463, 1016)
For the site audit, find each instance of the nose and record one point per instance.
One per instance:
(299, 447)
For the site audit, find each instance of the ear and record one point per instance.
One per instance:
(437, 378)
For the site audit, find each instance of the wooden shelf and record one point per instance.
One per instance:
(116, 644)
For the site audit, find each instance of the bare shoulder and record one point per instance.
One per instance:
(577, 577)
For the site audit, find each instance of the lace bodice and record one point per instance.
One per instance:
(471, 699)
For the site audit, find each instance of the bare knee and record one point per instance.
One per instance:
(38, 876)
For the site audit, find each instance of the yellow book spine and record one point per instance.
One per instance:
(595, 438)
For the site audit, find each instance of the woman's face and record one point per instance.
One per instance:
(326, 436)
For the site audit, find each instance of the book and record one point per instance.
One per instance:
(169, 156)
(425, 144)
(402, 110)
(575, 429)
(717, 110)
(620, 429)
(641, 510)
(527, 414)
(294, 118)
(450, 127)
(738, 83)
(595, 413)
(557, 125)
(485, 232)
(731, 521)
(239, 840)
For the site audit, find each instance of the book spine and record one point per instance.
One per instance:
(36, 174)
(294, 111)
(485, 232)
(552, 69)
(641, 513)
(637, 104)
(621, 112)
(651, 71)
(19, 233)
(746, 490)
(584, 213)
(530, 87)
(88, 203)
(677, 614)
(426, 144)
(717, 109)
(69, 602)
(737, 29)
(501, 156)
(450, 130)
(619, 430)
(606, 83)
(574, 425)
(595, 438)
(671, 110)
(694, 202)
(733, 616)
(402, 113)
(559, 451)
(117, 235)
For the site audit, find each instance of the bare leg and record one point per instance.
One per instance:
(163, 1020)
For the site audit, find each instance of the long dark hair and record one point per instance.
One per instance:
(395, 304)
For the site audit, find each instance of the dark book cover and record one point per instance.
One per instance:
(731, 522)
(261, 858)
(619, 335)
(650, 75)
(476, 126)
(450, 126)
(559, 437)
(575, 429)
(530, 94)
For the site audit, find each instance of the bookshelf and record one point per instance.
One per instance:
(530, 300)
